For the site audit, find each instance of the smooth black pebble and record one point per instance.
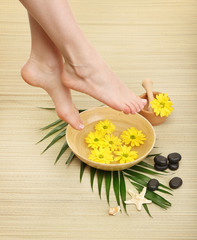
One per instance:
(153, 184)
(174, 157)
(160, 168)
(160, 160)
(175, 182)
(173, 166)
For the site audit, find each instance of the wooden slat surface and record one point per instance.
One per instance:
(138, 39)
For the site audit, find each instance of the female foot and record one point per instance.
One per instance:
(40, 74)
(85, 70)
(96, 79)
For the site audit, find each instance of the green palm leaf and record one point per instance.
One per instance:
(56, 138)
(63, 149)
(107, 184)
(136, 174)
(100, 174)
(145, 170)
(153, 155)
(147, 165)
(116, 186)
(52, 124)
(154, 197)
(144, 183)
(123, 190)
(147, 210)
(70, 158)
(138, 180)
(47, 108)
(164, 191)
(92, 175)
(83, 165)
(143, 177)
(54, 130)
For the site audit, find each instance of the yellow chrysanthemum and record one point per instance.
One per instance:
(133, 137)
(95, 139)
(161, 105)
(105, 126)
(112, 142)
(124, 154)
(101, 155)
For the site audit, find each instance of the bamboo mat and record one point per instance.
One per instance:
(138, 39)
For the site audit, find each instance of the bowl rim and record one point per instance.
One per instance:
(117, 164)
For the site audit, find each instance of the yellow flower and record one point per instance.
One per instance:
(95, 139)
(161, 105)
(133, 137)
(112, 142)
(125, 154)
(101, 155)
(105, 126)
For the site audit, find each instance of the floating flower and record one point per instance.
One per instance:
(95, 139)
(101, 155)
(162, 105)
(112, 142)
(133, 137)
(105, 126)
(125, 155)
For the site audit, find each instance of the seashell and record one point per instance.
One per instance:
(114, 210)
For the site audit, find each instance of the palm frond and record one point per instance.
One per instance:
(82, 168)
(92, 175)
(63, 149)
(154, 197)
(145, 170)
(70, 158)
(146, 209)
(55, 139)
(100, 174)
(52, 124)
(107, 184)
(123, 190)
(116, 186)
(153, 155)
(136, 174)
(143, 177)
(147, 165)
(54, 130)
(47, 108)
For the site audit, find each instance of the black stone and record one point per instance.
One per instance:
(174, 157)
(153, 184)
(175, 182)
(160, 168)
(160, 160)
(173, 166)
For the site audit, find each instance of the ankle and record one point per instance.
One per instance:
(46, 63)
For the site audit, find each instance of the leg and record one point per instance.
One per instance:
(43, 69)
(85, 70)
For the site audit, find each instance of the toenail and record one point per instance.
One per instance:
(144, 101)
(81, 126)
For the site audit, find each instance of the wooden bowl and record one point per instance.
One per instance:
(150, 116)
(76, 139)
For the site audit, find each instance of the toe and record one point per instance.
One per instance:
(133, 108)
(71, 117)
(144, 102)
(126, 109)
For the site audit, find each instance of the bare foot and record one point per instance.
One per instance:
(96, 79)
(47, 77)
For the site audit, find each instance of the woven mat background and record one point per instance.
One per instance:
(138, 39)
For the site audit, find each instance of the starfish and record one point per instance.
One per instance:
(138, 199)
